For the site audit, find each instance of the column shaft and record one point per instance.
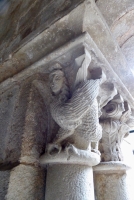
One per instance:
(69, 182)
(111, 181)
(26, 183)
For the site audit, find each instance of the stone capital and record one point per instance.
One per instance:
(116, 121)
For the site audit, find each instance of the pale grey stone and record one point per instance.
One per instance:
(112, 182)
(26, 182)
(69, 182)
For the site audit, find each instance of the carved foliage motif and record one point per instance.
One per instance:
(116, 122)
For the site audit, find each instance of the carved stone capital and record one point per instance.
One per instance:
(76, 111)
(71, 155)
(116, 122)
(107, 91)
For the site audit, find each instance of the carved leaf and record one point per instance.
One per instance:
(109, 139)
(125, 116)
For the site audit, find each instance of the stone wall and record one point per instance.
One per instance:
(25, 130)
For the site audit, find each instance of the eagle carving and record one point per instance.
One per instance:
(76, 113)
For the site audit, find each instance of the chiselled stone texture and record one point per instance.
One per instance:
(7, 108)
(12, 121)
(105, 43)
(65, 29)
(41, 14)
(26, 124)
(4, 180)
(124, 31)
(110, 14)
(72, 156)
(66, 114)
(35, 128)
(26, 182)
(75, 110)
(14, 106)
(24, 130)
(112, 181)
(76, 113)
(69, 182)
(116, 121)
(111, 186)
(106, 93)
(120, 22)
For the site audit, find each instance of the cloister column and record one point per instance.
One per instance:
(71, 178)
(70, 156)
(111, 182)
(27, 180)
(110, 176)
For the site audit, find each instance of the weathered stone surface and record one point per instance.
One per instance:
(120, 21)
(7, 108)
(23, 124)
(32, 145)
(4, 180)
(64, 30)
(26, 182)
(116, 121)
(106, 44)
(44, 43)
(69, 182)
(28, 18)
(13, 116)
(112, 181)
(66, 55)
(111, 167)
(123, 28)
(35, 129)
(128, 50)
(76, 111)
(71, 156)
(112, 187)
(113, 10)
(38, 29)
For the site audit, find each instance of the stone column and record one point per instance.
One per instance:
(110, 176)
(69, 182)
(71, 153)
(27, 180)
(69, 177)
(111, 181)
